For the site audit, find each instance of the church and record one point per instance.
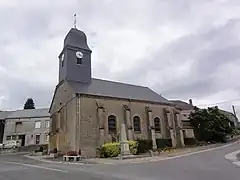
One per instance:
(87, 112)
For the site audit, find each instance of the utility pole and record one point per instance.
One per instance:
(236, 122)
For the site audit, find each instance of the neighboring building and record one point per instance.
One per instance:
(186, 109)
(87, 112)
(30, 126)
(3, 116)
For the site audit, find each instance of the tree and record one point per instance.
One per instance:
(29, 104)
(210, 125)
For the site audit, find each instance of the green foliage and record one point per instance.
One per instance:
(113, 149)
(133, 145)
(162, 143)
(190, 141)
(144, 145)
(110, 150)
(29, 104)
(166, 149)
(210, 125)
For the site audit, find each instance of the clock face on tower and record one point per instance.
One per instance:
(79, 54)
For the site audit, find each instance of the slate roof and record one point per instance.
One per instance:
(29, 113)
(76, 38)
(4, 114)
(183, 105)
(116, 89)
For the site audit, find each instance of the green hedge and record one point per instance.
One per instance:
(144, 145)
(162, 143)
(113, 149)
(190, 141)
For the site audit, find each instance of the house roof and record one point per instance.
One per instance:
(4, 114)
(183, 105)
(116, 89)
(29, 113)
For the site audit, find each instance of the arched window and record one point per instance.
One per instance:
(112, 124)
(136, 124)
(157, 124)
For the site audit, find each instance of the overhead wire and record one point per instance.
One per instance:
(218, 103)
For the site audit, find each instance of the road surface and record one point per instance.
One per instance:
(203, 166)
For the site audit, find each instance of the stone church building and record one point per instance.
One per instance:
(87, 112)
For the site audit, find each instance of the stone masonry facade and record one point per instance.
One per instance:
(86, 126)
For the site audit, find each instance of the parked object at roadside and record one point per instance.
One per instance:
(12, 144)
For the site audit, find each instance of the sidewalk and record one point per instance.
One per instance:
(163, 156)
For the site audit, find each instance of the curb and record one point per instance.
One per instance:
(12, 154)
(229, 156)
(53, 162)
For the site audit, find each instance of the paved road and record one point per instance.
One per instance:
(207, 165)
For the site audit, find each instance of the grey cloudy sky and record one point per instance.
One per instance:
(180, 48)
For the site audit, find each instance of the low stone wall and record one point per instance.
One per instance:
(32, 148)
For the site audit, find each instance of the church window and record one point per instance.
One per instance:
(137, 124)
(79, 61)
(157, 124)
(112, 124)
(62, 60)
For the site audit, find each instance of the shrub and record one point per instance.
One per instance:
(162, 143)
(166, 149)
(113, 149)
(110, 149)
(144, 145)
(72, 153)
(133, 145)
(190, 141)
(41, 149)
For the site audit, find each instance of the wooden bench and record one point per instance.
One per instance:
(69, 158)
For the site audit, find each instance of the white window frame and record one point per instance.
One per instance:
(47, 124)
(36, 124)
(46, 137)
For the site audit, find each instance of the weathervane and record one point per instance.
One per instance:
(75, 21)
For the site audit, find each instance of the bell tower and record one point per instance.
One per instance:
(75, 58)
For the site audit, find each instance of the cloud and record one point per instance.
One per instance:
(181, 49)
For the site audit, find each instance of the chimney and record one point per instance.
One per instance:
(190, 102)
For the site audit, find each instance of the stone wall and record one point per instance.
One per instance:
(63, 109)
(94, 117)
